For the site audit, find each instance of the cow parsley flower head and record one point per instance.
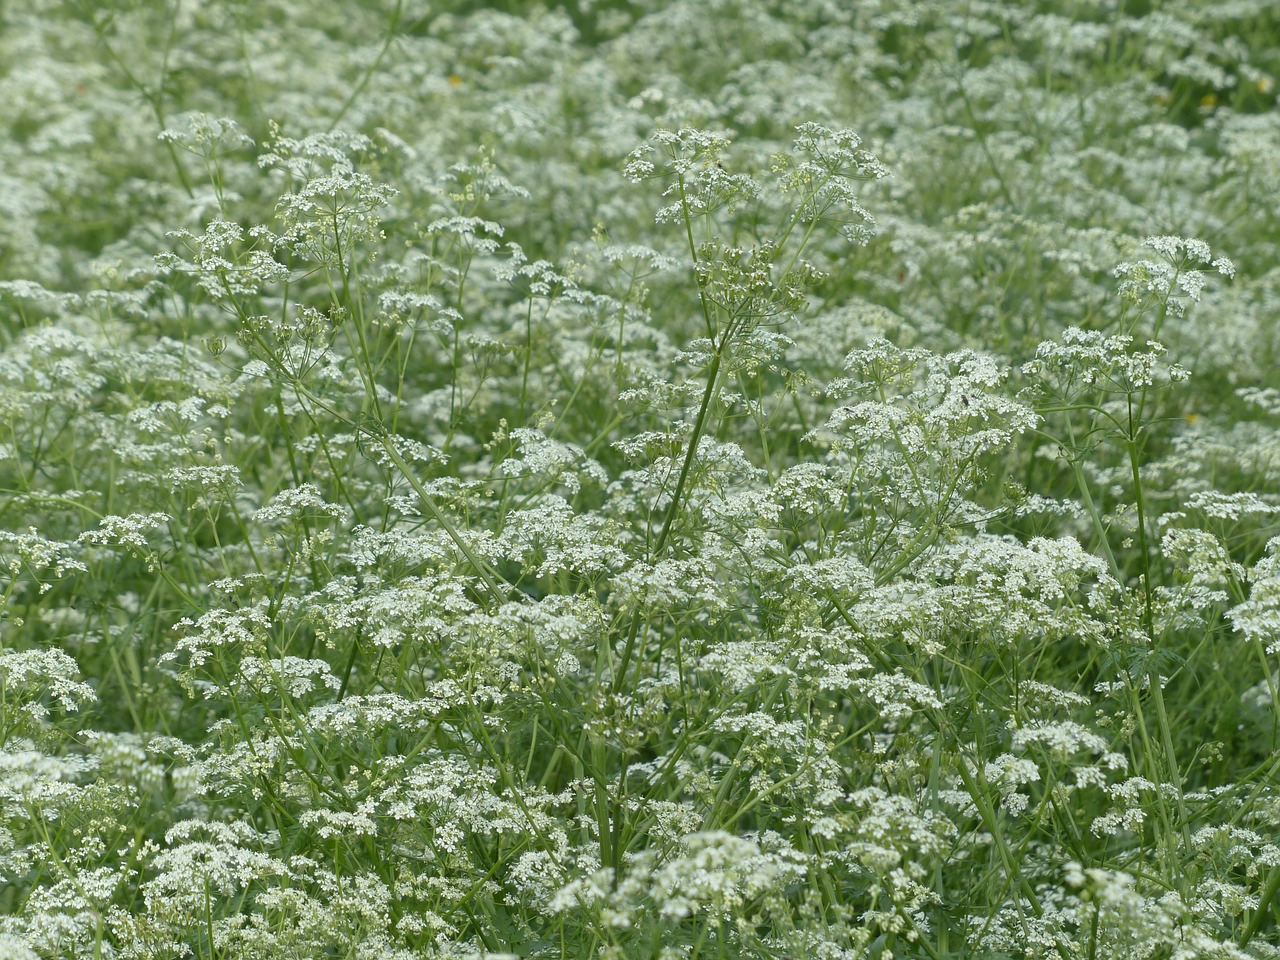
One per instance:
(1176, 278)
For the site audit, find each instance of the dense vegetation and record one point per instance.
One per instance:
(717, 478)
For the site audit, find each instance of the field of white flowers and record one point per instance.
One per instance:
(631, 479)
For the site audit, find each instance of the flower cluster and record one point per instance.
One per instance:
(711, 478)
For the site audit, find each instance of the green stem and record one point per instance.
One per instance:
(713, 375)
(1264, 904)
(481, 568)
(392, 30)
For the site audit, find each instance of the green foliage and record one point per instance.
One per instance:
(509, 480)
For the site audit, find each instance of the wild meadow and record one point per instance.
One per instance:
(789, 479)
